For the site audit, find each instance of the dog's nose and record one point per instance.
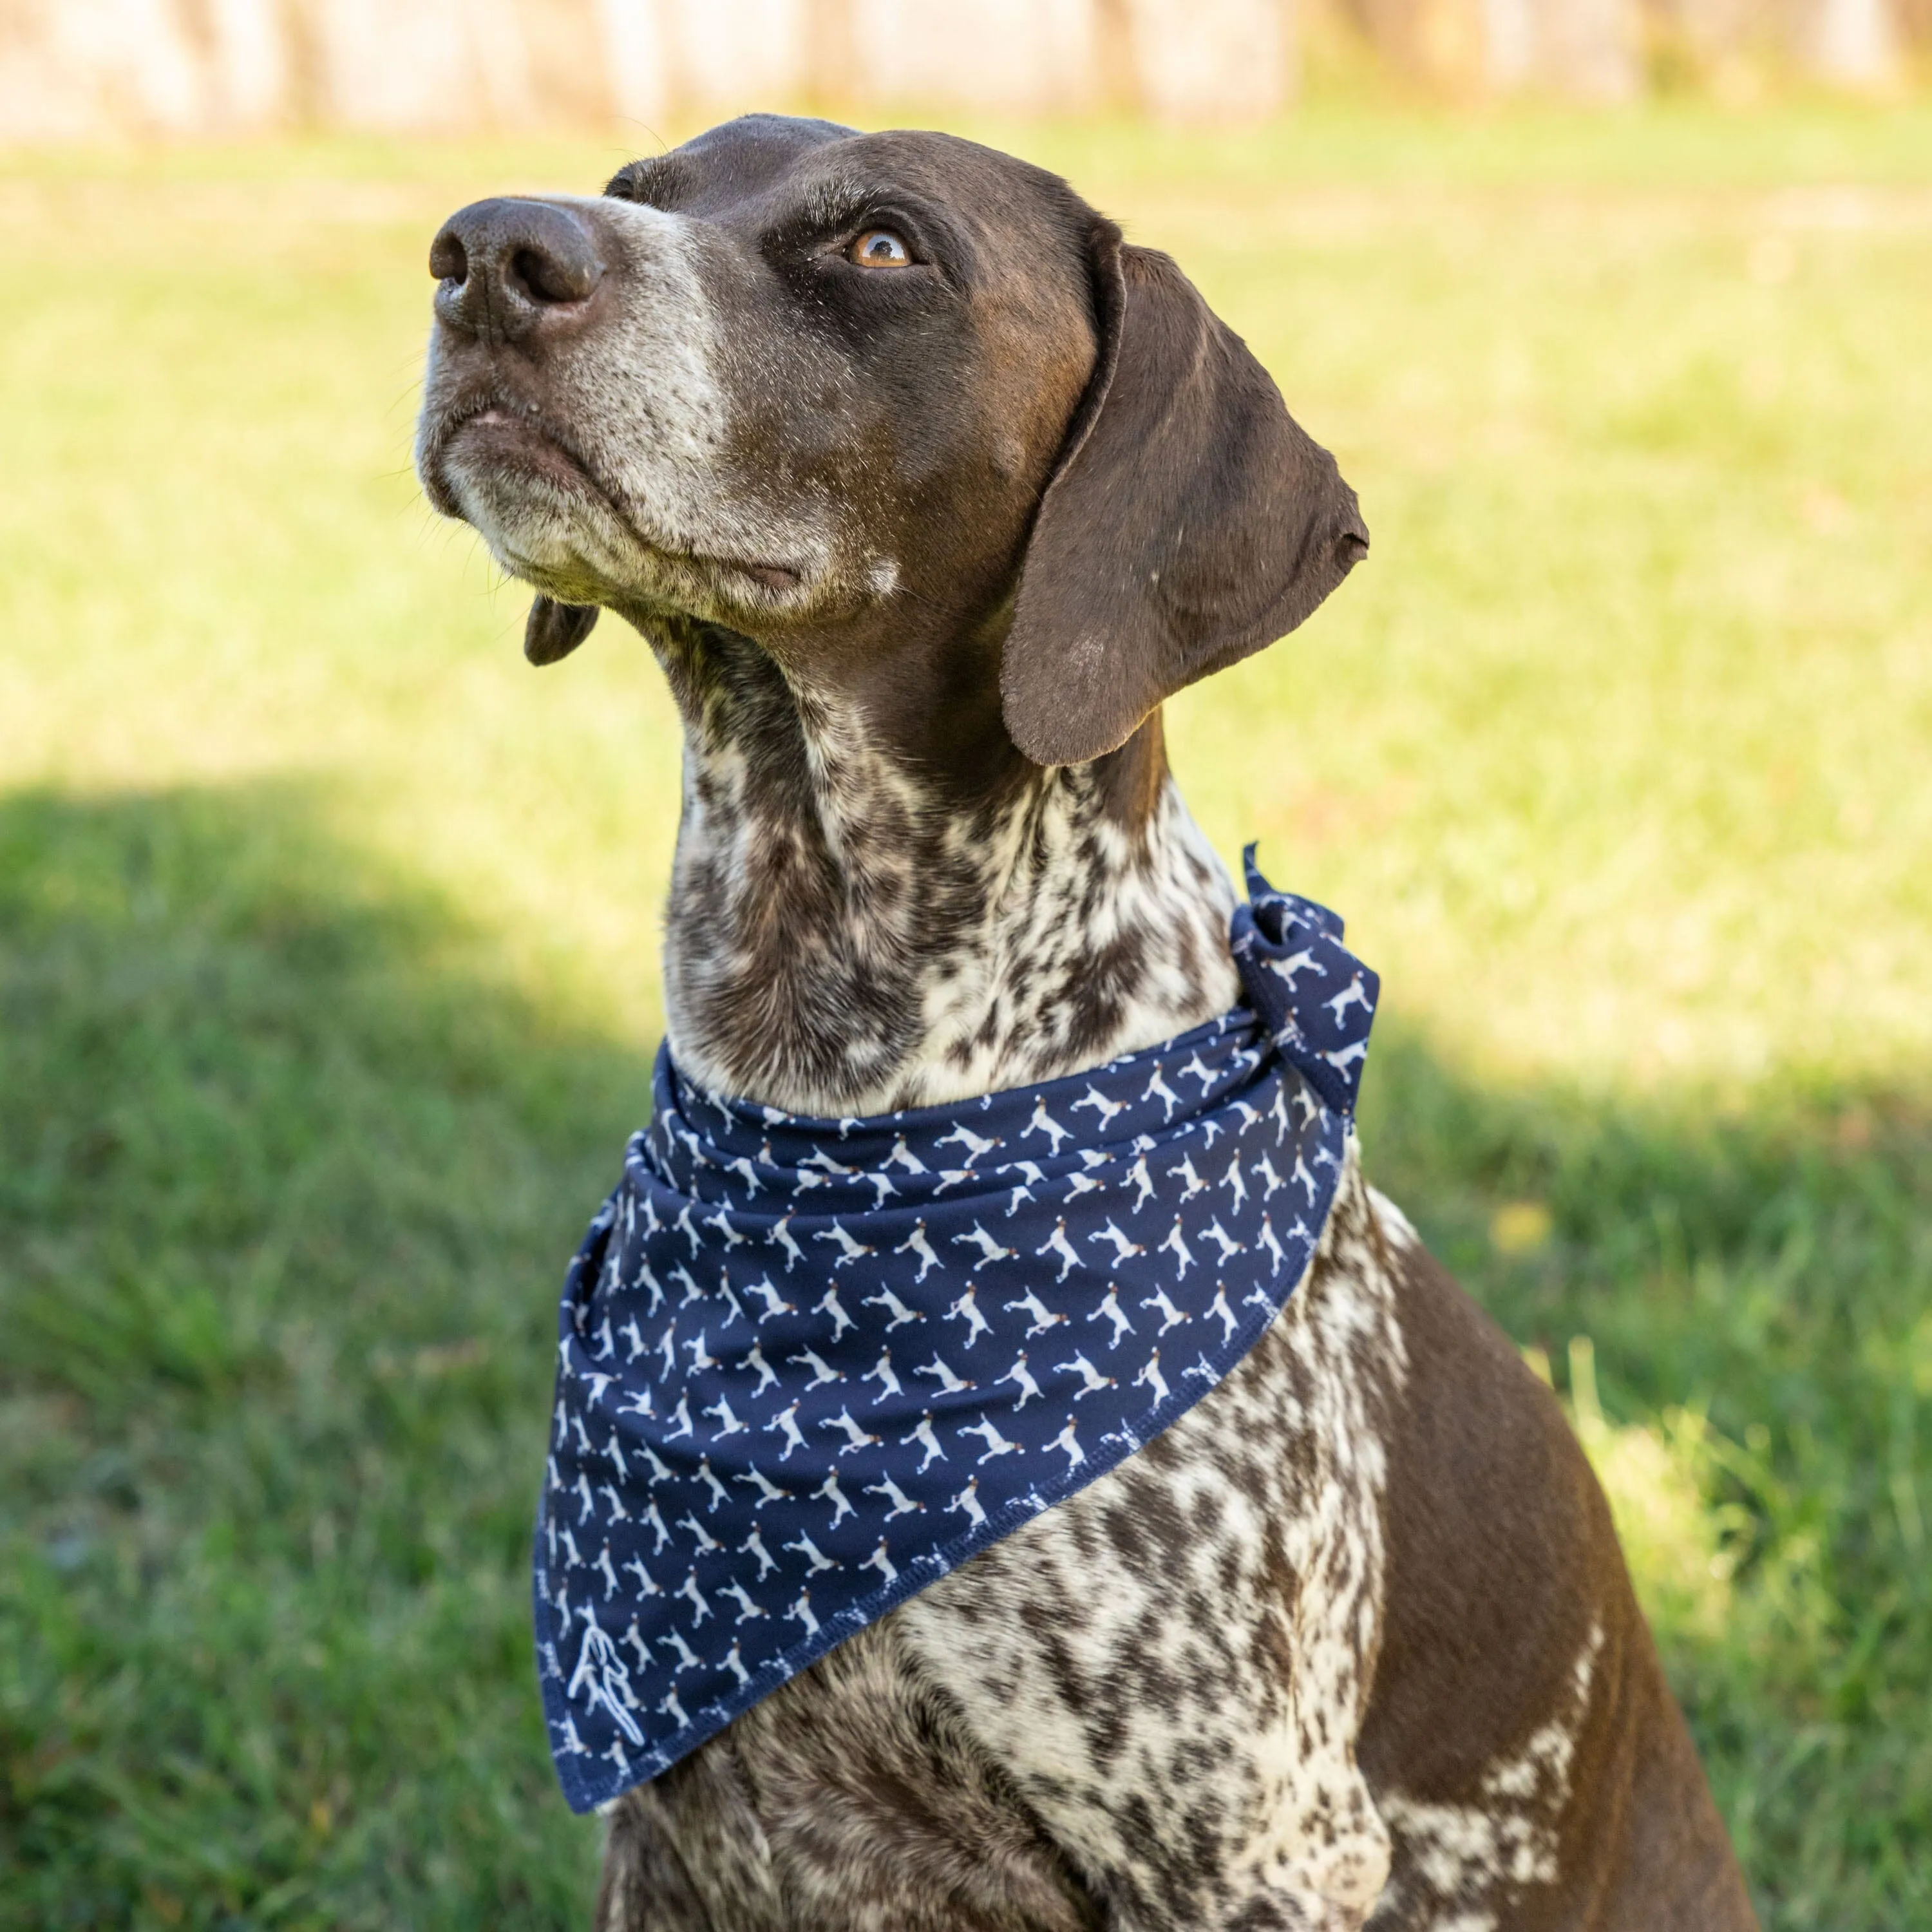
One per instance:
(509, 268)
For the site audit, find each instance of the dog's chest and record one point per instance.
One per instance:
(1144, 1700)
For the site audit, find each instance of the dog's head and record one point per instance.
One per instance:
(875, 401)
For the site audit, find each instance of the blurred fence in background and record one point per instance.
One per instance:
(86, 68)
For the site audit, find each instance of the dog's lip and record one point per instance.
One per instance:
(496, 415)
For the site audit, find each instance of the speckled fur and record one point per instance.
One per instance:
(981, 945)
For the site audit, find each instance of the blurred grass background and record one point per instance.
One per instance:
(329, 935)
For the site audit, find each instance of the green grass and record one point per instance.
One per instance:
(328, 977)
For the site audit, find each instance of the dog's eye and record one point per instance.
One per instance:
(880, 248)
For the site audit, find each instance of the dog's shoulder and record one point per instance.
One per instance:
(1521, 1742)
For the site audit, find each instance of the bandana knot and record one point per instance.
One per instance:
(1320, 1027)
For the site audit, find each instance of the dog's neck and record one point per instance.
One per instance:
(856, 926)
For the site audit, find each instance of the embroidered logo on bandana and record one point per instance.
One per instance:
(808, 1366)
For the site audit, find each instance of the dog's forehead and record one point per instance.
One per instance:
(726, 163)
(764, 168)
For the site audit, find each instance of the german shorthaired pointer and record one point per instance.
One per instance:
(926, 490)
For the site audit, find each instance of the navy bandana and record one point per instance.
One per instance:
(806, 1367)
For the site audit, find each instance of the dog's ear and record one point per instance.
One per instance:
(1191, 521)
(554, 630)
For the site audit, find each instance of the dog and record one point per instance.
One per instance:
(926, 490)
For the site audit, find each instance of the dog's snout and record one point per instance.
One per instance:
(508, 269)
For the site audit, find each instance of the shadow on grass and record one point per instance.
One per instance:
(287, 1184)
(286, 1190)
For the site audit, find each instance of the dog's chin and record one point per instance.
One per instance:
(549, 522)
(548, 543)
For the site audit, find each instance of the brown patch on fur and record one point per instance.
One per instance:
(1503, 1571)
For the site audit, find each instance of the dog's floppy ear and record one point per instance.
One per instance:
(1191, 521)
(554, 630)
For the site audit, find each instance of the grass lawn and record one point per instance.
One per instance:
(329, 975)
